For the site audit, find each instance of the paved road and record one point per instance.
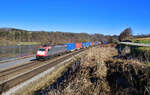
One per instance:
(15, 62)
(135, 44)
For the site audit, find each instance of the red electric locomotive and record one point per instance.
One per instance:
(45, 52)
(42, 52)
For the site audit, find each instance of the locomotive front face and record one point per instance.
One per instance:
(41, 52)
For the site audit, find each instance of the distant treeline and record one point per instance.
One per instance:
(142, 36)
(18, 35)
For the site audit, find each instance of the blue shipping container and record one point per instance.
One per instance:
(96, 43)
(105, 42)
(90, 43)
(87, 44)
(71, 46)
(84, 45)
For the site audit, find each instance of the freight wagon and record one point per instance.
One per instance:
(71, 46)
(90, 43)
(96, 43)
(99, 43)
(78, 45)
(93, 43)
(83, 44)
(87, 44)
(105, 42)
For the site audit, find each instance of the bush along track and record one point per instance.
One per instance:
(141, 53)
(128, 79)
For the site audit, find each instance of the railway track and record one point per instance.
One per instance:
(14, 76)
(7, 73)
(10, 72)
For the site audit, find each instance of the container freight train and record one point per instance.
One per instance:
(45, 52)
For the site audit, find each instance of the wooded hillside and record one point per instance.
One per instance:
(18, 35)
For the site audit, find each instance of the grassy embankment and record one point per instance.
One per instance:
(143, 53)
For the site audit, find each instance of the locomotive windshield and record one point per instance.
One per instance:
(42, 49)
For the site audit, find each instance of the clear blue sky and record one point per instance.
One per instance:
(90, 16)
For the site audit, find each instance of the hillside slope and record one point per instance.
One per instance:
(17, 35)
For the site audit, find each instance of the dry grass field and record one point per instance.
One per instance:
(101, 74)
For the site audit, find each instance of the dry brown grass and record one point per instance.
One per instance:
(98, 55)
(100, 74)
(91, 78)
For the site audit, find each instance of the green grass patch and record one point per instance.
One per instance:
(148, 63)
(147, 49)
(7, 42)
(142, 40)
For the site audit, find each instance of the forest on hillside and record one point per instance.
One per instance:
(18, 35)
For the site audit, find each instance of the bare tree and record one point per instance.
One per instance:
(126, 34)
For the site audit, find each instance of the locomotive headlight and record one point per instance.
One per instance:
(41, 53)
